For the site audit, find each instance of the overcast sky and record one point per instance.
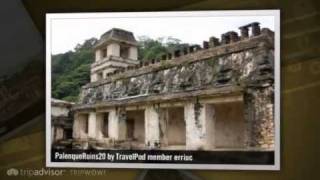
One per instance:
(68, 31)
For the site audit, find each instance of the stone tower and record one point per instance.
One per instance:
(116, 49)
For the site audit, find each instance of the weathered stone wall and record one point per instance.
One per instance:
(152, 132)
(229, 125)
(233, 69)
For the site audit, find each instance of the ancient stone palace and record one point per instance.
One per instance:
(217, 96)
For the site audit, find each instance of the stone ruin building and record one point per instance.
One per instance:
(219, 96)
(61, 121)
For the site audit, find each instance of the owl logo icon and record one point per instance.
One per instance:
(12, 172)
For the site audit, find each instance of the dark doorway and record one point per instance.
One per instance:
(130, 129)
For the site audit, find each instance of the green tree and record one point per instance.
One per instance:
(153, 48)
(149, 48)
(71, 70)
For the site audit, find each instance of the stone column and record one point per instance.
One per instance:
(163, 125)
(99, 125)
(152, 127)
(93, 77)
(79, 126)
(76, 127)
(210, 120)
(113, 124)
(92, 126)
(117, 124)
(98, 55)
(260, 119)
(133, 53)
(195, 117)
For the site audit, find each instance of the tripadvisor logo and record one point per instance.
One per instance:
(12, 172)
(35, 172)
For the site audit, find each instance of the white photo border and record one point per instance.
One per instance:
(274, 13)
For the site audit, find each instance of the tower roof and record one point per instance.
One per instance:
(117, 35)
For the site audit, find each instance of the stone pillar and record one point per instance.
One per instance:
(94, 77)
(133, 53)
(163, 125)
(80, 124)
(259, 115)
(113, 50)
(99, 126)
(98, 55)
(195, 117)
(92, 127)
(75, 127)
(113, 124)
(117, 124)
(122, 116)
(152, 127)
(210, 121)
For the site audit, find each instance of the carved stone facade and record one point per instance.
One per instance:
(215, 97)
